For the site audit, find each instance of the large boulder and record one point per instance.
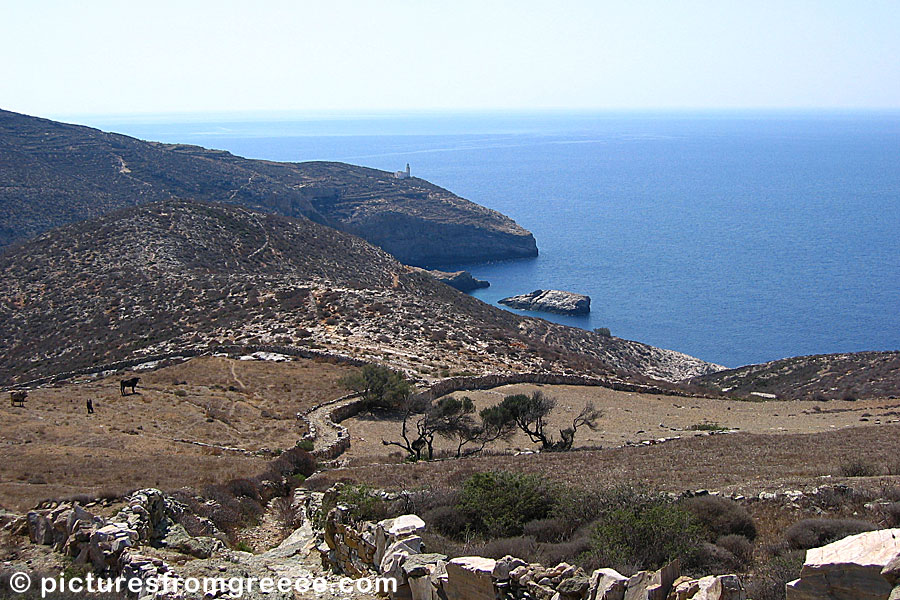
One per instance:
(469, 578)
(607, 584)
(391, 530)
(553, 301)
(848, 569)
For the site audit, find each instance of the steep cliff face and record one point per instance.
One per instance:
(423, 240)
(54, 173)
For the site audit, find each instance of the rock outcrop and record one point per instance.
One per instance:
(108, 545)
(553, 301)
(460, 280)
(850, 569)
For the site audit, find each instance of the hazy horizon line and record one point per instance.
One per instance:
(284, 114)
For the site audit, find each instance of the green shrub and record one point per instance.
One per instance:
(498, 504)
(707, 427)
(307, 445)
(646, 535)
(364, 504)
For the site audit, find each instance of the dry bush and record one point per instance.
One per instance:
(524, 547)
(552, 530)
(739, 546)
(243, 487)
(812, 533)
(769, 580)
(858, 467)
(286, 514)
(447, 520)
(721, 516)
(891, 514)
(574, 551)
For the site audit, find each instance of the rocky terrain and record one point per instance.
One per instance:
(54, 173)
(177, 276)
(848, 376)
(554, 301)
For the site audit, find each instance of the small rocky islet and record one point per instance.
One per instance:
(553, 301)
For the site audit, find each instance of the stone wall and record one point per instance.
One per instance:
(230, 350)
(394, 549)
(484, 382)
(109, 545)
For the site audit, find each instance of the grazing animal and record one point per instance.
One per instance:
(129, 383)
(17, 397)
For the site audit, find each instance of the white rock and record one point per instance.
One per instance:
(469, 578)
(848, 569)
(607, 584)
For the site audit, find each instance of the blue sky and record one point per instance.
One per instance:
(71, 58)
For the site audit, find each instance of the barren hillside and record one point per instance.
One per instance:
(53, 173)
(179, 275)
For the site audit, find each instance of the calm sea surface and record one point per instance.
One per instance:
(737, 238)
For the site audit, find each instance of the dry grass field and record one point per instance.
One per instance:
(629, 417)
(53, 448)
(741, 463)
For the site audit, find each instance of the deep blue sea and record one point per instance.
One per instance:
(735, 237)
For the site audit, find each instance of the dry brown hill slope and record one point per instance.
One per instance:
(54, 173)
(177, 275)
(848, 376)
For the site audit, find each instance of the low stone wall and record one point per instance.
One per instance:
(394, 549)
(485, 382)
(343, 410)
(231, 350)
(457, 384)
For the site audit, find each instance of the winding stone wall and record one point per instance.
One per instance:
(485, 382)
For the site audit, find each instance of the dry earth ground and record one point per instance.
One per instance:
(630, 417)
(743, 463)
(53, 448)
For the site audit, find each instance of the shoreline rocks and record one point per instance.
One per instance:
(553, 301)
(460, 280)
